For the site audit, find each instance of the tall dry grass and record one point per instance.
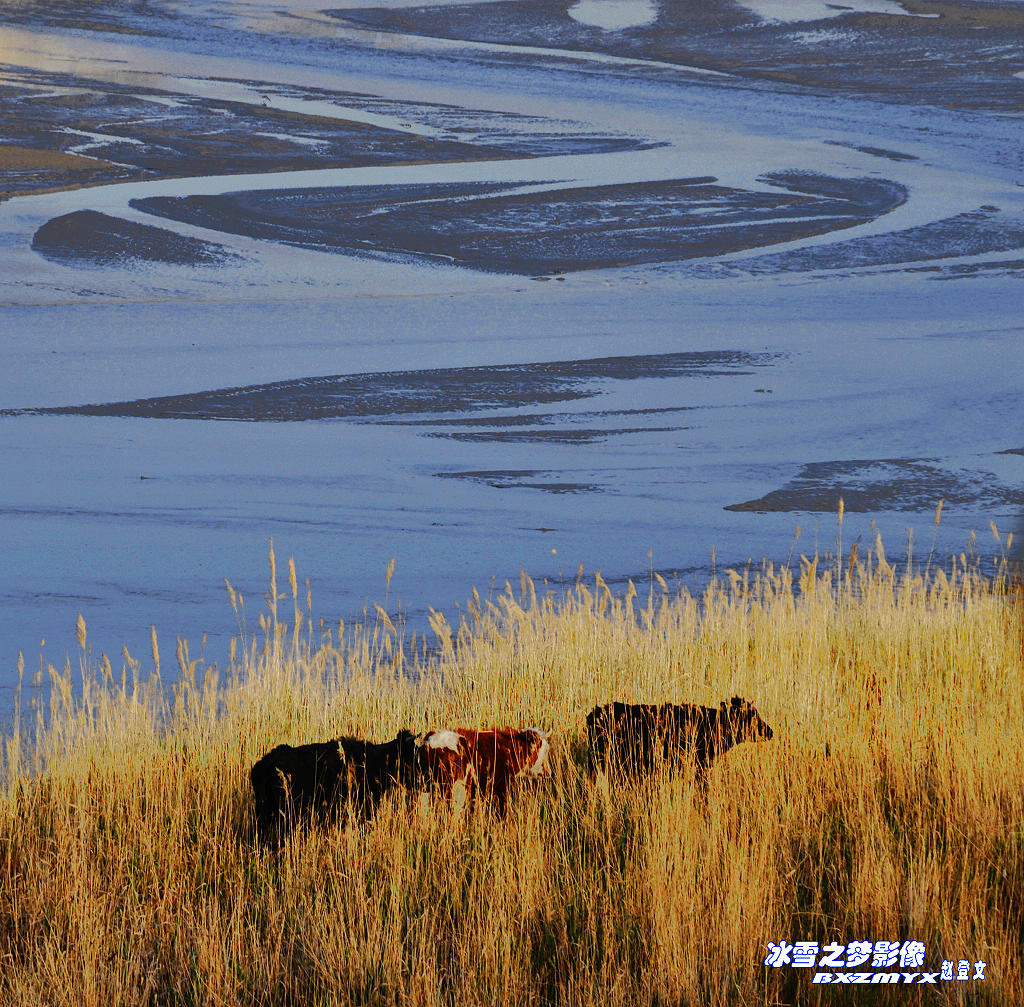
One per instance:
(889, 806)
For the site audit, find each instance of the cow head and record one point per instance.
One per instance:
(536, 748)
(744, 722)
(451, 740)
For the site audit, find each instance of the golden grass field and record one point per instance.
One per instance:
(890, 804)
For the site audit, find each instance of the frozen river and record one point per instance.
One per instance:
(493, 286)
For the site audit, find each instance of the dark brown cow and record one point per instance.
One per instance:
(317, 781)
(638, 739)
(488, 761)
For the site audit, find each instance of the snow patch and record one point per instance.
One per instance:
(614, 15)
(820, 10)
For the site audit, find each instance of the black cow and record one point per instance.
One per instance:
(639, 739)
(319, 780)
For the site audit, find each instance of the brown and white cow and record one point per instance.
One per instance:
(487, 761)
(641, 738)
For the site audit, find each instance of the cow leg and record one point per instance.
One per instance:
(273, 809)
(597, 738)
(470, 783)
(497, 790)
(450, 782)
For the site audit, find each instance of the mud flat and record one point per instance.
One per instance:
(25, 169)
(530, 479)
(560, 229)
(873, 485)
(968, 234)
(907, 55)
(62, 130)
(88, 237)
(439, 391)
